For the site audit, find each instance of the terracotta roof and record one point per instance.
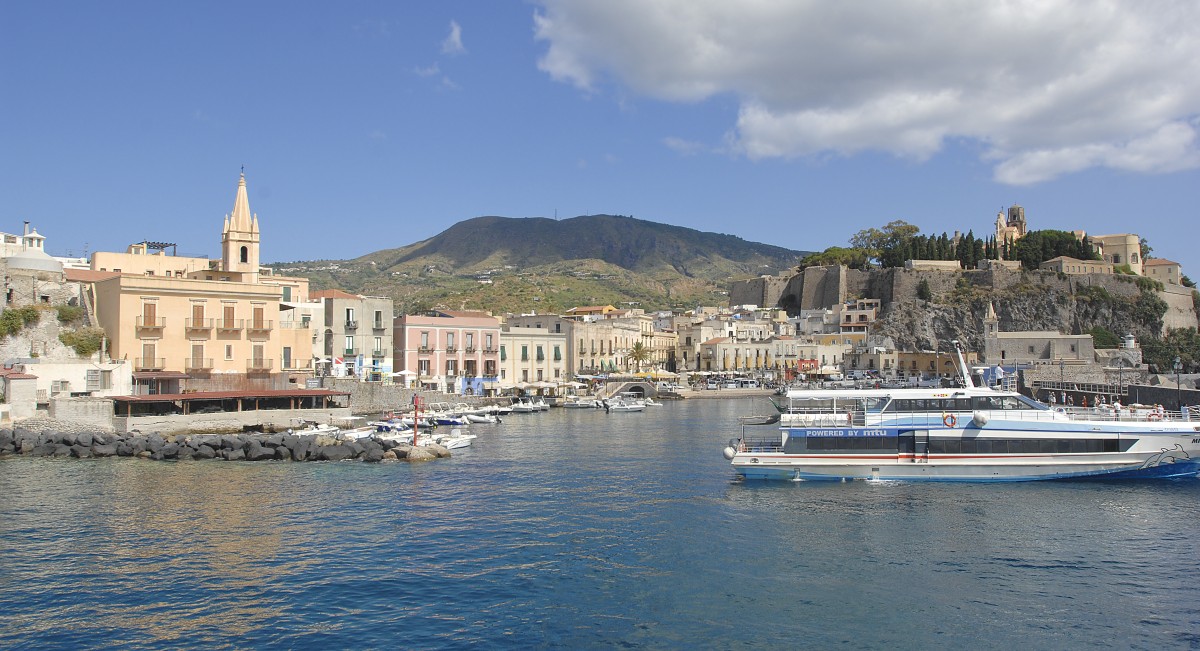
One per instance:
(717, 340)
(223, 395)
(88, 275)
(1156, 262)
(16, 375)
(333, 293)
(160, 375)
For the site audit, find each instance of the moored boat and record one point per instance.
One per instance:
(964, 434)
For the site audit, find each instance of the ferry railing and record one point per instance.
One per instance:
(816, 418)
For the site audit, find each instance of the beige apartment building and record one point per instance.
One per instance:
(177, 318)
(532, 358)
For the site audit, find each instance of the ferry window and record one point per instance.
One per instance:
(953, 446)
(962, 404)
(1078, 445)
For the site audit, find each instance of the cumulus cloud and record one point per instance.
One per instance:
(1048, 87)
(453, 43)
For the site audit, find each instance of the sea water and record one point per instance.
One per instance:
(579, 529)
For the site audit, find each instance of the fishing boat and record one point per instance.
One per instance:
(963, 434)
(579, 402)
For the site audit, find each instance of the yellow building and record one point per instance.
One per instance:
(1164, 271)
(178, 318)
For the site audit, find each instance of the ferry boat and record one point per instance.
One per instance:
(964, 434)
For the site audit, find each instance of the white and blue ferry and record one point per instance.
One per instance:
(964, 434)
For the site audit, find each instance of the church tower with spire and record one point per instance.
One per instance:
(240, 238)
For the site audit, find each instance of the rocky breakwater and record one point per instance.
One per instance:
(226, 447)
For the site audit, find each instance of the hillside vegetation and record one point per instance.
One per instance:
(506, 264)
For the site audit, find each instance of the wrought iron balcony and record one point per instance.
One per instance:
(258, 365)
(230, 325)
(351, 352)
(153, 322)
(149, 363)
(259, 325)
(351, 324)
(198, 324)
(379, 352)
(198, 364)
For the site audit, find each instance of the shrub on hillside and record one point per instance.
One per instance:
(85, 341)
(14, 320)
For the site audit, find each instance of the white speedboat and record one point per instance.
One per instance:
(622, 405)
(524, 406)
(579, 402)
(491, 419)
(967, 434)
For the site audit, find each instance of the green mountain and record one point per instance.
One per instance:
(509, 264)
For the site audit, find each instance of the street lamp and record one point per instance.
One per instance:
(1178, 392)
(1062, 380)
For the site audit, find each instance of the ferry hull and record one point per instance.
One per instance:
(1152, 467)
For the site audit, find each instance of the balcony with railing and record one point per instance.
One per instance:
(379, 352)
(351, 324)
(198, 364)
(378, 325)
(230, 325)
(490, 350)
(424, 350)
(297, 364)
(451, 349)
(198, 324)
(351, 352)
(259, 327)
(149, 364)
(470, 350)
(151, 323)
(259, 365)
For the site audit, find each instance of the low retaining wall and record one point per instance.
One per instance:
(268, 420)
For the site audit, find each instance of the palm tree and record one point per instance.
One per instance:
(638, 354)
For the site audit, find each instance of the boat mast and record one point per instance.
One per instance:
(962, 366)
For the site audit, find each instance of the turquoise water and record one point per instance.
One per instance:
(576, 529)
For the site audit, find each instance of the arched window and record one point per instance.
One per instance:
(245, 254)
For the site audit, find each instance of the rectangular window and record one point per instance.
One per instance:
(450, 340)
(287, 293)
(287, 356)
(452, 367)
(349, 314)
(228, 315)
(258, 318)
(489, 368)
(349, 345)
(470, 340)
(425, 340)
(524, 353)
(423, 367)
(541, 356)
(378, 318)
(228, 351)
(378, 345)
(557, 354)
(487, 341)
(503, 356)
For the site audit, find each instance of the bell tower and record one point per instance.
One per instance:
(240, 238)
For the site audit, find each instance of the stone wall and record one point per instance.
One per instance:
(1167, 396)
(266, 419)
(764, 291)
(1181, 312)
(374, 397)
(94, 412)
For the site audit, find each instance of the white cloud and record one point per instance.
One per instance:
(1047, 86)
(684, 147)
(453, 43)
(427, 72)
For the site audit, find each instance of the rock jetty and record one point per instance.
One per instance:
(227, 447)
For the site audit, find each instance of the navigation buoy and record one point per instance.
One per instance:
(729, 452)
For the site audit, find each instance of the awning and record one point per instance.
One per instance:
(160, 375)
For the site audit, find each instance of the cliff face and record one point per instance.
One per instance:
(1023, 302)
(923, 309)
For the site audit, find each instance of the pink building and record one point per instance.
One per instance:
(457, 352)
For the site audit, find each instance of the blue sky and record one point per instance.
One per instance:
(366, 125)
